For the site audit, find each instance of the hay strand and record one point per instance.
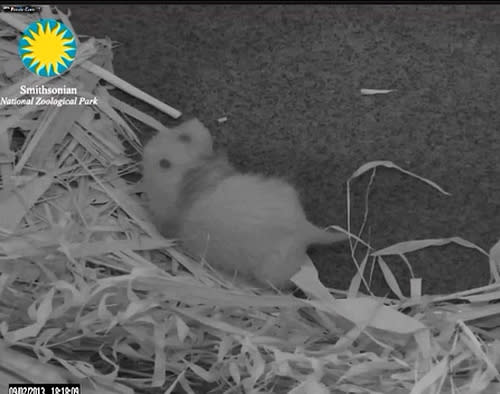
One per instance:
(91, 293)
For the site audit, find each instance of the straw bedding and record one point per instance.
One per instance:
(90, 292)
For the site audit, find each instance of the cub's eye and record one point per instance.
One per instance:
(164, 163)
(184, 138)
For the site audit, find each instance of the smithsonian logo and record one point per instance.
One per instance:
(47, 48)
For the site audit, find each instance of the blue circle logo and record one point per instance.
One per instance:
(47, 48)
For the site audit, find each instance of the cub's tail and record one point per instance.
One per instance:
(317, 235)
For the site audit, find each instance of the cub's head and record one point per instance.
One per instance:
(177, 149)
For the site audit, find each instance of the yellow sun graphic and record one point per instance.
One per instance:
(47, 47)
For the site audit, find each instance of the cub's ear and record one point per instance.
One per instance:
(191, 123)
(192, 126)
(196, 134)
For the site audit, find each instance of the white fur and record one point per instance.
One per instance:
(250, 225)
(162, 185)
(244, 224)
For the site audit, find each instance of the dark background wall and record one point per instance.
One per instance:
(288, 79)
